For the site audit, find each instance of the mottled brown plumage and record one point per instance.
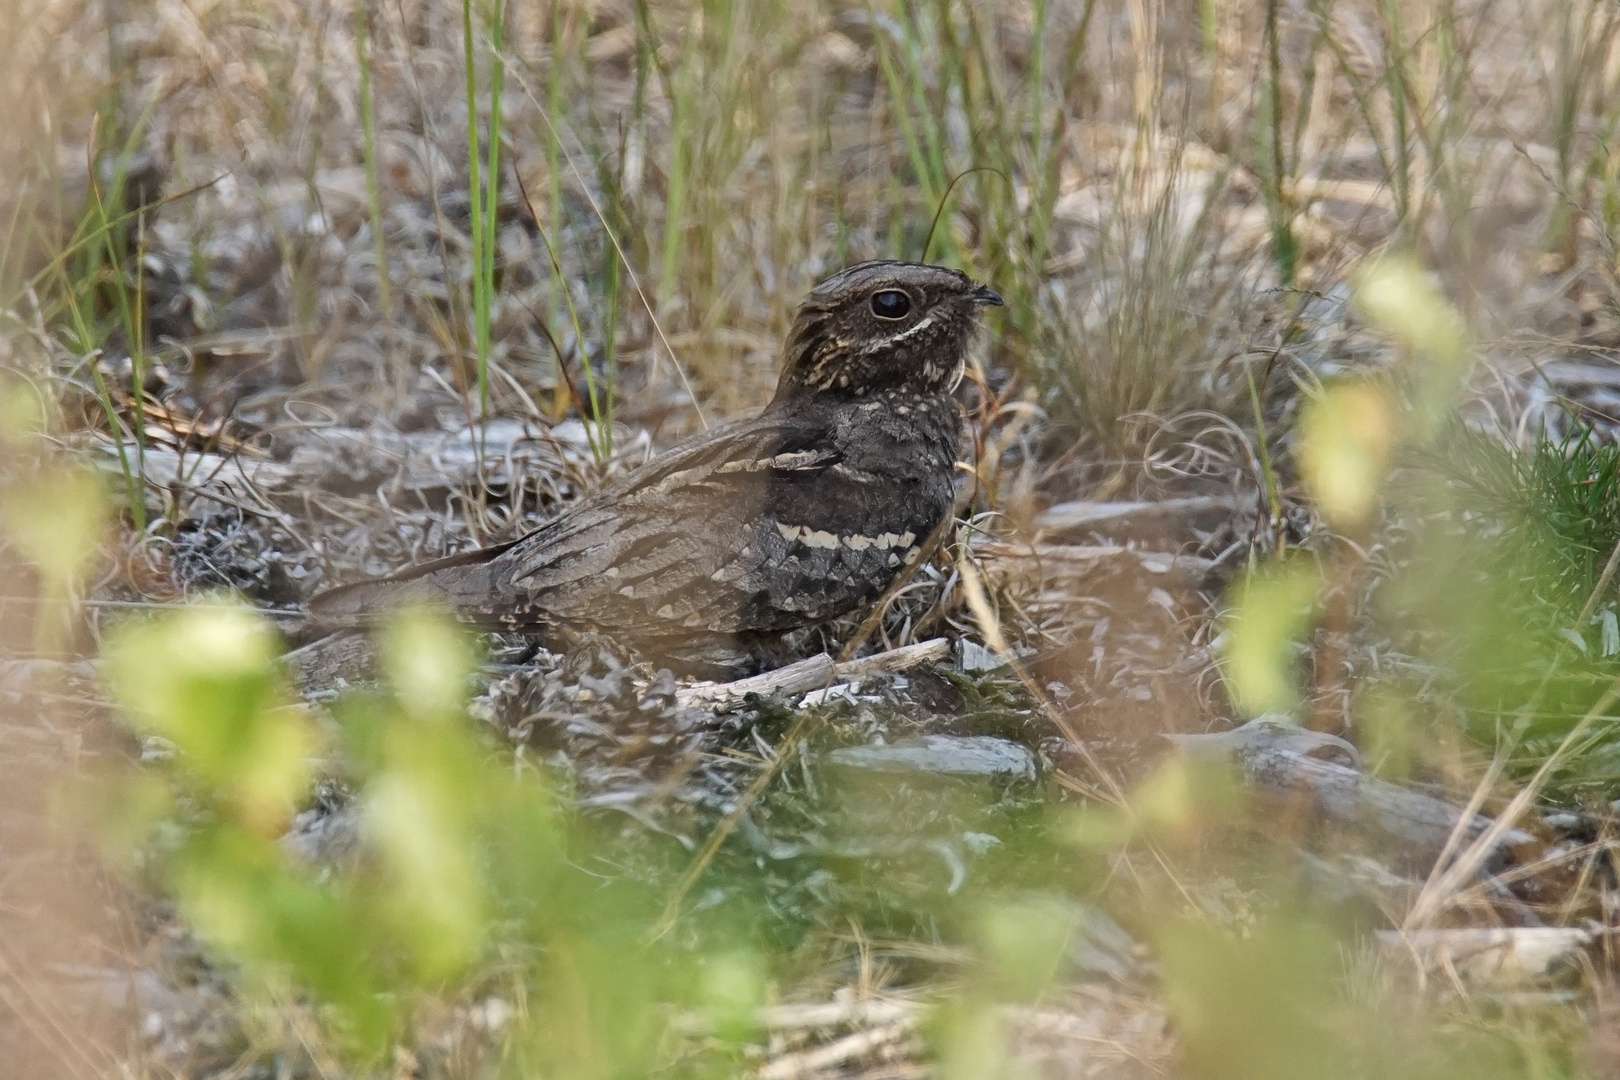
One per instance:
(783, 521)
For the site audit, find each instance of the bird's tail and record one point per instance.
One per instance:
(443, 583)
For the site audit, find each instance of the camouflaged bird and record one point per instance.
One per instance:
(772, 524)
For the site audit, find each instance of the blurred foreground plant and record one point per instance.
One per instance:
(52, 513)
(460, 857)
(1286, 1001)
(1348, 435)
(1498, 562)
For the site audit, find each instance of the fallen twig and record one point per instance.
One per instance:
(839, 1052)
(810, 674)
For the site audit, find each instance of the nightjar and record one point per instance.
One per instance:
(784, 521)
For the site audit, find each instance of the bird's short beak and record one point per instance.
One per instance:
(984, 294)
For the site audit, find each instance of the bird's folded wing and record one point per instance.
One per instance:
(670, 548)
(430, 583)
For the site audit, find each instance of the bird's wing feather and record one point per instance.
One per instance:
(421, 583)
(648, 553)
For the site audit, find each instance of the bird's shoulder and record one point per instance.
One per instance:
(698, 486)
(767, 445)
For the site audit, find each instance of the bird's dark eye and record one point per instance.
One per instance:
(890, 304)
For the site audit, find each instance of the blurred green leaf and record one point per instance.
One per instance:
(1268, 613)
(419, 819)
(1183, 798)
(22, 413)
(206, 679)
(425, 799)
(1094, 827)
(1255, 1009)
(731, 986)
(56, 518)
(1026, 941)
(971, 1040)
(1177, 802)
(1402, 299)
(1346, 438)
(239, 892)
(427, 658)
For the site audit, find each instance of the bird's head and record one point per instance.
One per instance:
(883, 325)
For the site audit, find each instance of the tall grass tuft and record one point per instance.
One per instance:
(100, 300)
(368, 135)
(1149, 318)
(483, 180)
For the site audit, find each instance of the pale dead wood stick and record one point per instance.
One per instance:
(849, 1048)
(810, 674)
(838, 1013)
(895, 660)
(824, 1015)
(796, 678)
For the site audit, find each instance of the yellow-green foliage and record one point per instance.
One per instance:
(459, 850)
